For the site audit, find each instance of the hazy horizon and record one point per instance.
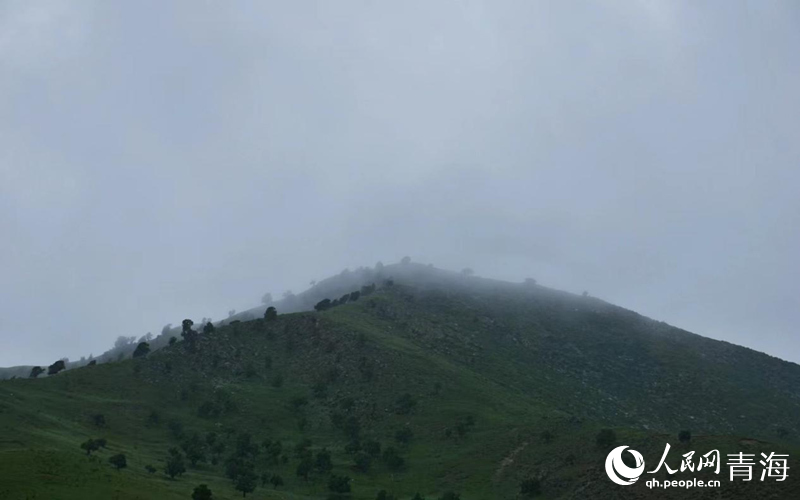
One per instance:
(163, 161)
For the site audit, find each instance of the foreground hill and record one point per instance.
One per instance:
(473, 385)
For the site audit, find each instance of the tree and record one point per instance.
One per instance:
(405, 404)
(202, 493)
(189, 335)
(304, 468)
(123, 341)
(266, 298)
(685, 436)
(393, 459)
(467, 271)
(606, 438)
(417, 496)
(323, 462)
(56, 367)
(36, 371)
(404, 435)
(92, 362)
(373, 448)
(323, 305)
(339, 484)
(546, 436)
(450, 495)
(172, 340)
(101, 442)
(143, 349)
(363, 461)
(150, 469)
(405, 260)
(276, 481)
(208, 328)
(175, 465)
(271, 314)
(354, 296)
(344, 298)
(99, 420)
(89, 446)
(246, 482)
(119, 461)
(530, 488)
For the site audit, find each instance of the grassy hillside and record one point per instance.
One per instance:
(477, 385)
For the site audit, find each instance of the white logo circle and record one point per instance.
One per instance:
(619, 472)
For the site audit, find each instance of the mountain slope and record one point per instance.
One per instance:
(497, 383)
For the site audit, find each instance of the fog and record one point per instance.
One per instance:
(168, 160)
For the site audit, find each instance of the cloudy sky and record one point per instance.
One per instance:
(163, 160)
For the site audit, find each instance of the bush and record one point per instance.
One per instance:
(404, 435)
(202, 493)
(208, 328)
(150, 469)
(119, 461)
(172, 340)
(99, 420)
(606, 438)
(405, 404)
(89, 446)
(363, 461)
(392, 459)
(530, 488)
(450, 496)
(143, 349)
(276, 481)
(271, 314)
(36, 371)
(56, 367)
(339, 484)
(175, 465)
(323, 305)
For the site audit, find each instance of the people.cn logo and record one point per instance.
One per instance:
(619, 472)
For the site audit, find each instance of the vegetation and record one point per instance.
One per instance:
(458, 389)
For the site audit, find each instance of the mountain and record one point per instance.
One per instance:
(477, 385)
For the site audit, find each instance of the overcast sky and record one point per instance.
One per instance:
(163, 160)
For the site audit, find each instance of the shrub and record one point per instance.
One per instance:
(99, 420)
(89, 446)
(339, 484)
(363, 461)
(202, 493)
(271, 314)
(119, 461)
(246, 482)
(56, 367)
(150, 469)
(175, 465)
(606, 438)
(404, 435)
(143, 349)
(172, 340)
(405, 404)
(36, 371)
(208, 328)
(530, 488)
(392, 459)
(276, 481)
